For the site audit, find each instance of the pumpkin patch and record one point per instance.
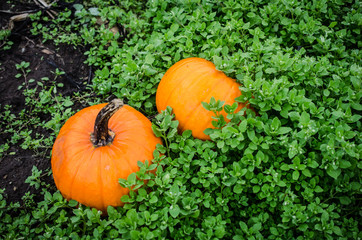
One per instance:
(287, 167)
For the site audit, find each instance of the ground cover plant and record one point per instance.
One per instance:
(289, 170)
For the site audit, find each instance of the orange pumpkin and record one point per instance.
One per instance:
(88, 158)
(188, 83)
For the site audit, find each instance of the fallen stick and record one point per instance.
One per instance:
(17, 18)
(46, 6)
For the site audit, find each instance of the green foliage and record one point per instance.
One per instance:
(5, 44)
(45, 109)
(290, 169)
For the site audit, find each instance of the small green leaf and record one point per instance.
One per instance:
(125, 199)
(187, 133)
(337, 230)
(284, 130)
(305, 118)
(275, 124)
(206, 105)
(345, 200)
(334, 173)
(243, 125)
(306, 173)
(296, 175)
(153, 199)
(285, 167)
(132, 178)
(238, 189)
(174, 210)
(149, 59)
(344, 164)
(73, 203)
(256, 189)
(220, 144)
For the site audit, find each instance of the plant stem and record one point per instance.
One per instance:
(166, 143)
(101, 135)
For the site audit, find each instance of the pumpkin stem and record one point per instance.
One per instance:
(101, 135)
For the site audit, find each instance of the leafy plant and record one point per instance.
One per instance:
(5, 44)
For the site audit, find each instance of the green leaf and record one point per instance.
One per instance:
(187, 133)
(274, 231)
(174, 190)
(260, 156)
(345, 200)
(306, 172)
(344, 164)
(94, 11)
(296, 175)
(337, 230)
(149, 59)
(153, 199)
(305, 118)
(334, 173)
(174, 210)
(219, 231)
(293, 149)
(281, 183)
(206, 105)
(285, 167)
(238, 189)
(134, 234)
(243, 227)
(189, 43)
(132, 178)
(275, 124)
(172, 133)
(243, 125)
(318, 189)
(256, 189)
(284, 130)
(73, 203)
(220, 144)
(251, 135)
(125, 199)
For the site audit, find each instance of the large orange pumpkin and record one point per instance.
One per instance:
(88, 158)
(188, 83)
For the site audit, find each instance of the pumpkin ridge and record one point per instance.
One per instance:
(200, 79)
(120, 126)
(136, 142)
(80, 152)
(113, 154)
(117, 170)
(82, 162)
(100, 180)
(200, 107)
(124, 157)
(179, 81)
(88, 119)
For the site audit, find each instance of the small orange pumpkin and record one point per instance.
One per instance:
(88, 158)
(188, 83)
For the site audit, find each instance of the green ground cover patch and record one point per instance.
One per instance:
(292, 171)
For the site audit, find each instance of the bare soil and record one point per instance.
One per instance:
(44, 58)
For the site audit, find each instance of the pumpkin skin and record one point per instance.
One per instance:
(90, 174)
(188, 83)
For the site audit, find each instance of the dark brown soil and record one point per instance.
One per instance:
(44, 58)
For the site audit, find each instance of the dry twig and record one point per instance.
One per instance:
(44, 5)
